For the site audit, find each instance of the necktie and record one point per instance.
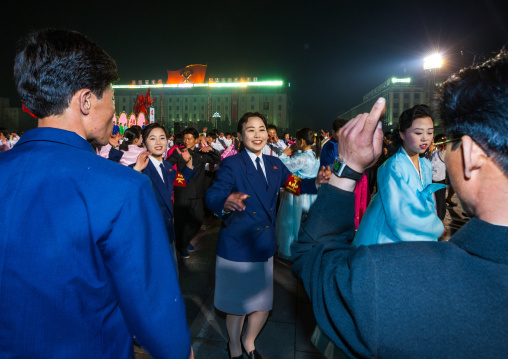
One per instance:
(271, 149)
(163, 173)
(260, 171)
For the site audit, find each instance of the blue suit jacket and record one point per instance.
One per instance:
(405, 299)
(85, 263)
(249, 235)
(328, 153)
(164, 190)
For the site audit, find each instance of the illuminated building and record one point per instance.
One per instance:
(404, 93)
(218, 103)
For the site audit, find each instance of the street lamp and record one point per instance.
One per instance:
(433, 62)
(216, 116)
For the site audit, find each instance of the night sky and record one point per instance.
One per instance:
(332, 52)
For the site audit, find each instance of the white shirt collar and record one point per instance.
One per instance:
(157, 165)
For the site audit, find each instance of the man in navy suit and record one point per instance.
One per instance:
(419, 299)
(85, 262)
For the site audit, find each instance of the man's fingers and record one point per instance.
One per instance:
(374, 115)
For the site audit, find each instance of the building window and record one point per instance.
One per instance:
(169, 108)
(280, 107)
(226, 107)
(202, 108)
(218, 108)
(123, 108)
(417, 96)
(202, 99)
(186, 107)
(186, 116)
(177, 116)
(406, 105)
(170, 99)
(266, 105)
(194, 116)
(395, 115)
(123, 99)
(252, 107)
(195, 99)
(396, 95)
(218, 99)
(252, 98)
(178, 99)
(186, 99)
(178, 108)
(406, 96)
(194, 108)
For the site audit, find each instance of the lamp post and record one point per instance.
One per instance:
(216, 116)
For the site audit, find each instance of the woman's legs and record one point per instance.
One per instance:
(254, 325)
(234, 325)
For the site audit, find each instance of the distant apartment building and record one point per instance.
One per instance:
(14, 119)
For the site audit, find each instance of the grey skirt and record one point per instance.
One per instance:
(243, 287)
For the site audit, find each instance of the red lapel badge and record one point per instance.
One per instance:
(275, 168)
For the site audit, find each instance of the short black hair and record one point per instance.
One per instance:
(52, 65)
(271, 127)
(474, 102)
(243, 120)
(192, 131)
(338, 124)
(212, 134)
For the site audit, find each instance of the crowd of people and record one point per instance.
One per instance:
(76, 281)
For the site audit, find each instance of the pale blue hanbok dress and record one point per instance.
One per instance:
(404, 208)
(304, 165)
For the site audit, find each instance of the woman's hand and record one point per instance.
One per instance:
(142, 161)
(235, 202)
(288, 151)
(205, 149)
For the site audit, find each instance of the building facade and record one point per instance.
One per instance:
(402, 94)
(213, 104)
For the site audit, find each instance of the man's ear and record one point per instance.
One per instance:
(473, 155)
(85, 103)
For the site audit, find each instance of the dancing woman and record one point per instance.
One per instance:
(244, 196)
(404, 208)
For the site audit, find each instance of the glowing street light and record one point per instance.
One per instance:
(432, 62)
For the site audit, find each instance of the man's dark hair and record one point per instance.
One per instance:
(474, 102)
(338, 124)
(212, 134)
(192, 131)
(243, 120)
(52, 65)
(271, 127)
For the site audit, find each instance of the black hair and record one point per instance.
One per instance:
(308, 136)
(192, 131)
(151, 127)
(406, 119)
(212, 134)
(474, 103)
(338, 124)
(52, 65)
(243, 120)
(271, 127)
(129, 136)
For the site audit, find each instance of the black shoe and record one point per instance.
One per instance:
(184, 254)
(190, 248)
(229, 353)
(253, 354)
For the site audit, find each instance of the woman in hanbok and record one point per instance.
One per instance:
(130, 146)
(304, 164)
(404, 208)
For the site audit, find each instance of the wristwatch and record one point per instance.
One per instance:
(340, 169)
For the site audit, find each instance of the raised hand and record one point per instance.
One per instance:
(142, 161)
(361, 139)
(323, 175)
(235, 202)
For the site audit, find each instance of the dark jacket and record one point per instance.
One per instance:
(407, 299)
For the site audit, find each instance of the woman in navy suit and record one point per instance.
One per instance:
(161, 173)
(244, 195)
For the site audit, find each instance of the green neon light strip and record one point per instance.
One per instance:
(211, 84)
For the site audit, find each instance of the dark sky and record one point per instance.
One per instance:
(332, 52)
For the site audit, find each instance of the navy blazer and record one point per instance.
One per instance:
(249, 235)
(164, 190)
(405, 299)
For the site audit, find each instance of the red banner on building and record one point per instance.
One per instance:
(234, 110)
(194, 74)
